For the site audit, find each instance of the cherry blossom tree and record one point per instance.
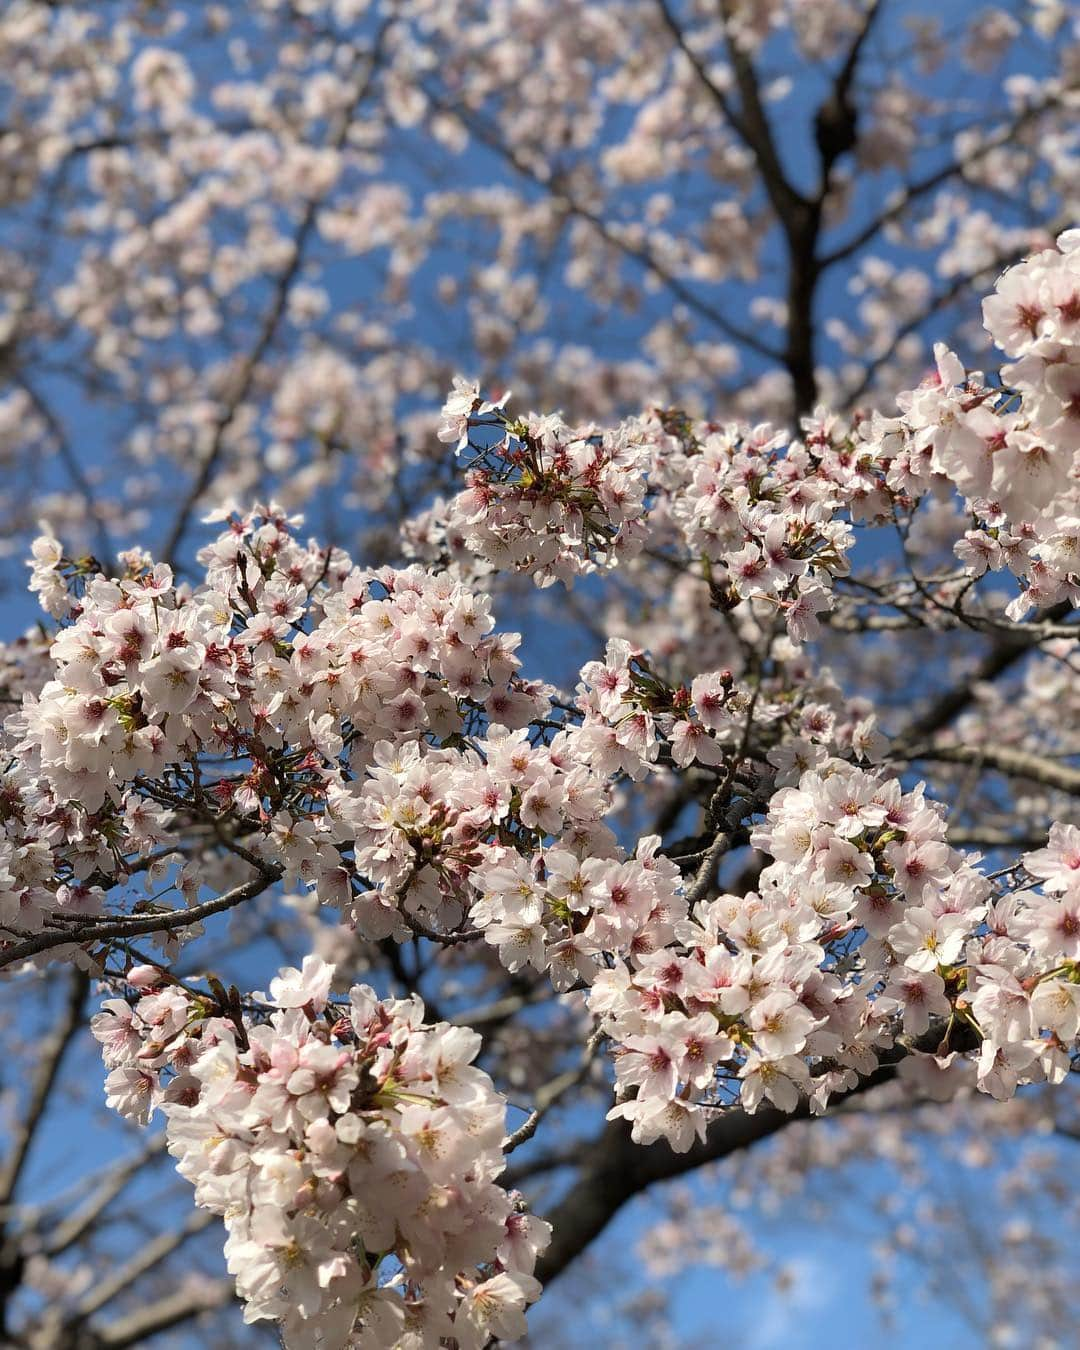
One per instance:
(447, 826)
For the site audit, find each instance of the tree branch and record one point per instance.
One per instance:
(613, 1169)
(146, 1258)
(753, 126)
(800, 221)
(953, 169)
(135, 927)
(74, 469)
(50, 1056)
(956, 288)
(948, 705)
(68, 1232)
(551, 1093)
(557, 188)
(1017, 763)
(138, 1326)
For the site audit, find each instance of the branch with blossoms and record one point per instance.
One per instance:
(758, 517)
(72, 931)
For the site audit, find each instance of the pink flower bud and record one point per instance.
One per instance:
(144, 977)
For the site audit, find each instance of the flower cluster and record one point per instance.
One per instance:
(395, 763)
(767, 519)
(354, 1152)
(1011, 452)
(760, 515)
(506, 826)
(867, 933)
(182, 201)
(543, 497)
(379, 746)
(1024, 989)
(288, 662)
(569, 909)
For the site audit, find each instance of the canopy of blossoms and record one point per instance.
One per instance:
(246, 246)
(370, 736)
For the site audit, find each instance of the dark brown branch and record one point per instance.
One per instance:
(70, 461)
(50, 1055)
(148, 1256)
(550, 1094)
(921, 186)
(613, 1169)
(836, 120)
(68, 1232)
(950, 704)
(1017, 763)
(753, 126)
(563, 200)
(138, 1326)
(958, 287)
(729, 112)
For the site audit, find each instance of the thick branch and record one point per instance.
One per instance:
(920, 187)
(613, 1169)
(835, 123)
(950, 704)
(959, 286)
(562, 199)
(146, 1258)
(718, 96)
(80, 1220)
(800, 221)
(74, 469)
(550, 1094)
(1018, 763)
(138, 1326)
(753, 125)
